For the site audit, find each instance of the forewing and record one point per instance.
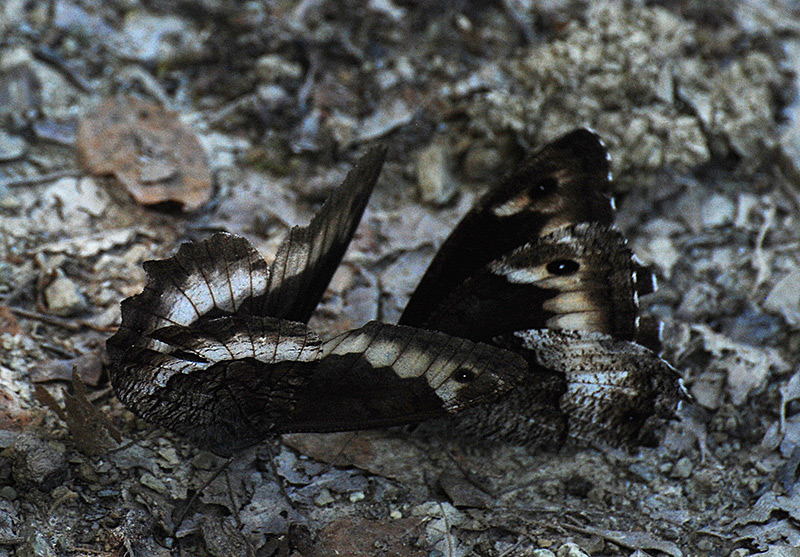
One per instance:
(309, 255)
(580, 277)
(564, 183)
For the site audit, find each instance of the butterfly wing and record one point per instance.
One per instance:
(221, 383)
(382, 375)
(616, 390)
(580, 277)
(228, 383)
(566, 182)
(308, 257)
(518, 264)
(225, 275)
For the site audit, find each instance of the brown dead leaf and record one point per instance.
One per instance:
(8, 323)
(352, 537)
(373, 451)
(91, 430)
(148, 149)
(89, 367)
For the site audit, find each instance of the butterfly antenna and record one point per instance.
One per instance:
(193, 499)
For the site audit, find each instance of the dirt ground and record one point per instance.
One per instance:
(266, 104)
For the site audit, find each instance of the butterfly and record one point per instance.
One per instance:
(216, 348)
(535, 266)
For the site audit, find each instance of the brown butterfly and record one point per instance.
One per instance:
(216, 348)
(536, 267)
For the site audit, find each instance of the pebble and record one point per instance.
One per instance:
(434, 181)
(784, 298)
(357, 496)
(8, 493)
(11, 147)
(149, 480)
(570, 549)
(384, 120)
(38, 463)
(718, 211)
(324, 498)
(482, 163)
(63, 297)
(395, 514)
(682, 469)
(170, 455)
(542, 553)
(271, 67)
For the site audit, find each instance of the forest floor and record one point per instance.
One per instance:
(697, 104)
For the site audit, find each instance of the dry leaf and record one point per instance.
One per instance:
(148, 149)
(91, 430)
(8, 323)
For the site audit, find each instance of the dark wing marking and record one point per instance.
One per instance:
(309, 256)
(230, 382)
(580, 277)
(564, 183)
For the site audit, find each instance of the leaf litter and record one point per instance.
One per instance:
(686, 98)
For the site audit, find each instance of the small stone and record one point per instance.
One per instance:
(384, 120)
(8, 493)
(324, 498)
(682, 469)
(542, 553)
(271, 67)
(205, 461)
(570, 549)
(170, 455)
(741, 552)
(784, 298)
(395, 514)
(481, 163)
(435, 184)
(38, 463)
(11, 147)
(718, 211)
(149, 480)
(63, 297)
(357, 496)
(272, 96)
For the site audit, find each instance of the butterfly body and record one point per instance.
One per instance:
(525, 328)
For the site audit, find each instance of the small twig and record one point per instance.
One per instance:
(514, 547)
(447, 535)
(49, 319)
(59, 322)
(49, 56)
(197, 493)
(43, 179)
(469, 475)
(278, 479)
(234, 502)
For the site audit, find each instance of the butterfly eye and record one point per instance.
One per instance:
(464, 375)
(562, 267)
(543, 186)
